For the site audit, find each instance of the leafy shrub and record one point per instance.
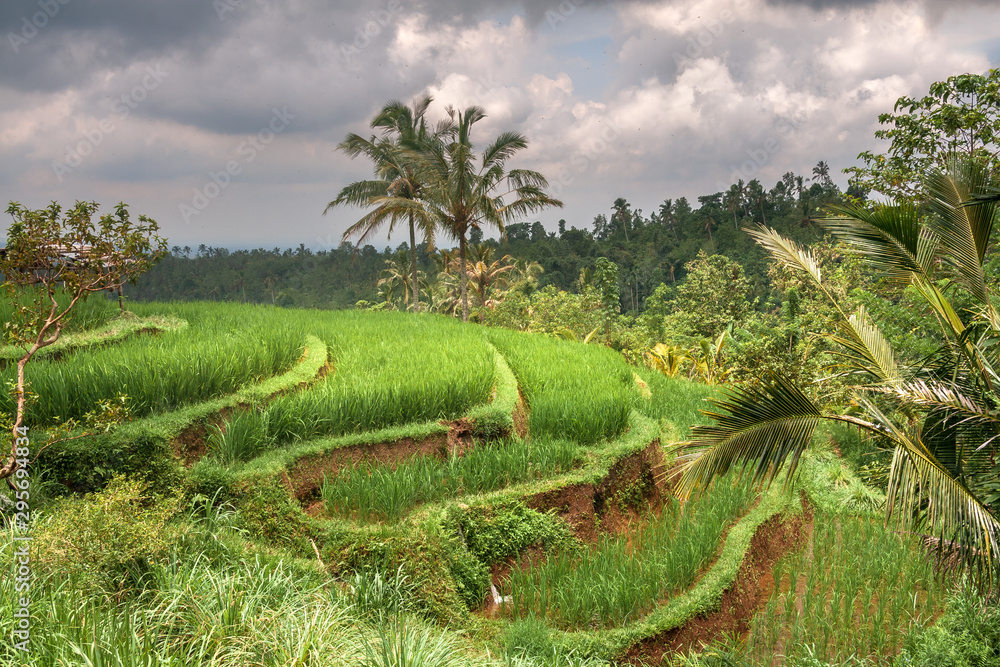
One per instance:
(496, 533)
(109, 538)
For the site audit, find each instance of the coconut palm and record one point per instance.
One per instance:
(487, 274)
(943, 479)
(396, 191)
(461, 196)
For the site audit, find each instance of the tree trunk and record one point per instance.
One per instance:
(463, 277)
(415, 287)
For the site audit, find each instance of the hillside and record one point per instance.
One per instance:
(340, 487)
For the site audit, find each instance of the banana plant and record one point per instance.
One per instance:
(945, 409)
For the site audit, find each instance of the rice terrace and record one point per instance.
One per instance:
(759, 431)
(344, 480)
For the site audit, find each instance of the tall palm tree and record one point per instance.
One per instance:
(943, 479)
(396, 191)
(461, 196)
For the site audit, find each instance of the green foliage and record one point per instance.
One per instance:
(548, 311)
(677, 402)
(715, 294)
(379, 491)
(403, 645)
(958, 115)
(108, 539)
(495, 533)
(968, 635)
(246, 435)
(585, 397)
(389, 368)
(267, 513)
(606, 284)
(89, 463)
(220, 351)
(377, 595)
(832, 606)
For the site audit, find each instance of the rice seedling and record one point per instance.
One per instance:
(582, 392)
(88, 314)
(854, 593)
(246, 434)
(224, 347)
(389, 369)
(380, 492)
(624, 576)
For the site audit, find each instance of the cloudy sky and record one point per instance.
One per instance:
(220, 118)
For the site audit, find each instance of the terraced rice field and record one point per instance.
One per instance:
(387, 487)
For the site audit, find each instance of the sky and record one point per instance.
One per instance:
(220, 119)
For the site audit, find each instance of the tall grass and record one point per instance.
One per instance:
(625, 576)
(225, 347)
(582, 392)
(381, 492)
(200, 610)
(855, 592)
(389, 369)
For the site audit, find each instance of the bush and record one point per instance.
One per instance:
(108, 539)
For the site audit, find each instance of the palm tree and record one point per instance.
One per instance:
(396, 191)
(487, 274)
(668, 216)
(943, 479)
(461, 196)
(621, 214)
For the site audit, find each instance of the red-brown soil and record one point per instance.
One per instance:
(631, 488)
(750, 591)
(189, 445)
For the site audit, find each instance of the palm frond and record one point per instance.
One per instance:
(889, 238)
(786, 251)
(866, 348)
(924, 494)
(763, 426)
(964, 231)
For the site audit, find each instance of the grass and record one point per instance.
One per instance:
(576, 391)
(676, 401)
(225, 347)
(212, 602)
(381, 492)
(389, 369)
(88, 314)
(625, 576)
(855, 592)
